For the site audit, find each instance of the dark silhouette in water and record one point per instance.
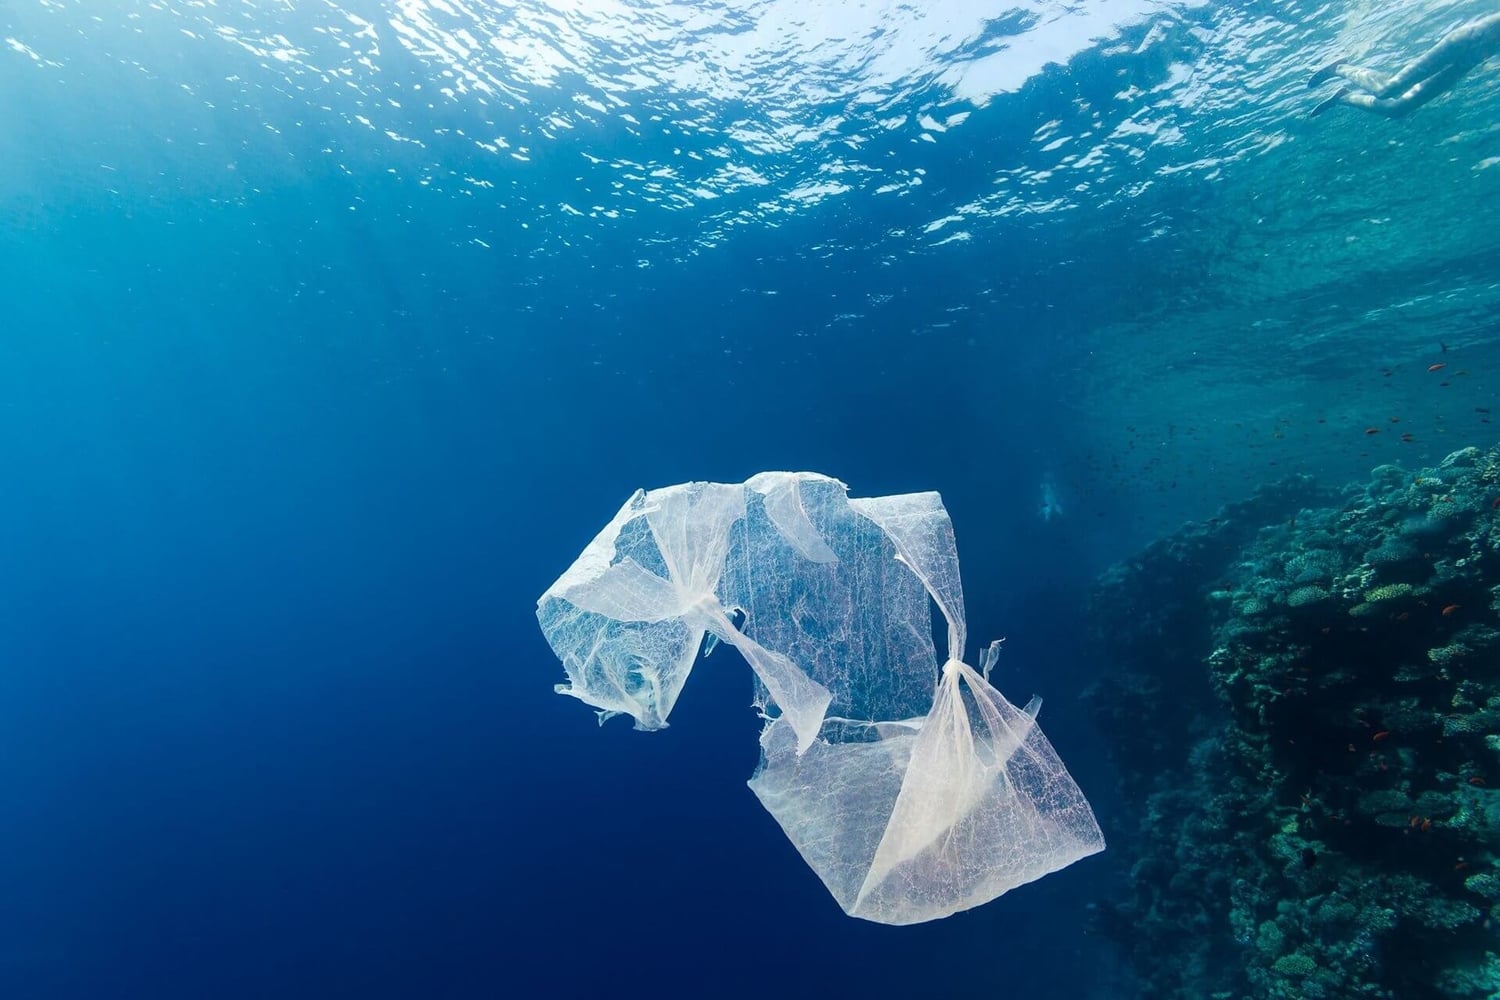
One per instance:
(1419, 81)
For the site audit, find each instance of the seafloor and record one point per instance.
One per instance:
(1303, 699)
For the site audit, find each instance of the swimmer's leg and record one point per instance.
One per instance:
(1364, 79)
(1325, 73)
(1414, 97)
(1434, 61)
(1379, 84)
(1465, 46)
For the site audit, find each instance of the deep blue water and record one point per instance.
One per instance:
(331, 335)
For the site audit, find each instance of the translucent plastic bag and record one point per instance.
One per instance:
(913, 792)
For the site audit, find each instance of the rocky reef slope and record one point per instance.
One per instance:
(1303, 700)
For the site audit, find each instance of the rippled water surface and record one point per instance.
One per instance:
(1135, 183)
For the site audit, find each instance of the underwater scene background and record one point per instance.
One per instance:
(330, 333)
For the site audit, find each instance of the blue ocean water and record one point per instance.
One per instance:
(331, 333)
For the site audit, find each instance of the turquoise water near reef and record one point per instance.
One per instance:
(331, 333)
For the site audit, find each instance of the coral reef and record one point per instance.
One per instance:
(1307, 722)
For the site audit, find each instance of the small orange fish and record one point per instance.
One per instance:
(1460, 866)
(1450, 609)
(1437, 367)
(1426, 825)
(1477, 782)
(1380, 735)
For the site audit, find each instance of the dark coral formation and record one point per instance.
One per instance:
(1303, 697)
